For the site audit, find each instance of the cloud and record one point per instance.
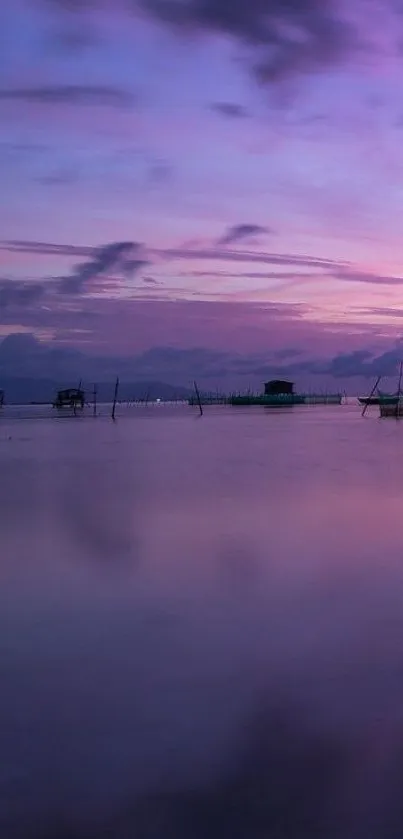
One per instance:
(383, 311)
(20, 293)
(85, 95)
(116, 257)
(22, 355)
(301, 276)
(160, 171)
(285, 38)
(230, 110)
(367, 277)
(251, 275)
(361, 363)
(187, 252)
(263, 257)
(287, 352)
(150, 281)
(59, 177)
(45, 248)
(240, 232)
(122, 259)
(344, 365)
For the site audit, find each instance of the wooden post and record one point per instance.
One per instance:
(399, 390)
(95, 401)
(115, 397)
(371, 395)
(198, 399)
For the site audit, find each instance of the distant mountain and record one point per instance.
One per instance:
(19, 390)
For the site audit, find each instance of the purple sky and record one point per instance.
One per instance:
(202, 173)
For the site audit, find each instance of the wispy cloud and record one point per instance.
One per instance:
(85, 95)
(240, 232)
(46, 248)
(263, 257)
(380, 311)
(197, 253)
(151, 281)
(251, 275)
(367, 278)
(230, 110)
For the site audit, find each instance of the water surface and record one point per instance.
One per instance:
(201, 624)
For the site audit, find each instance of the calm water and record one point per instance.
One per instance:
(201, 625)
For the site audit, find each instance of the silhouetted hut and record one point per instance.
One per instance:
(278, 387)
(72, 397)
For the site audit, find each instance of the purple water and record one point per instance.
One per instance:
(201, 625)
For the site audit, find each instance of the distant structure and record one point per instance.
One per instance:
(278, 387)
(72, 397)
(1, 398)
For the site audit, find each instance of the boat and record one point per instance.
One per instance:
(379, 399)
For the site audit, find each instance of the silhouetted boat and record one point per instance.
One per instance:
(379, 399)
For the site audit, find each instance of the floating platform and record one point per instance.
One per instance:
(272, 400)
(278, 401)
(390, 410)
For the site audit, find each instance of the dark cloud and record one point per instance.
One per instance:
(70, 95)
(230, 110)
(20, 293)
(73, 39)
(16, 346)
(359, 363)
(160, 171)
(122, 259)
(150, 281)
(363, 363)
(58, 178)
(17, 151)
(226, 368)
(116, 257)
(240, 232)
(287, 352)
(285, 37)
(70, 5)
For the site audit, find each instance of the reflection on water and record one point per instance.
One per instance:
(201, 626)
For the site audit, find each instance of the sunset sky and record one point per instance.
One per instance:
(214, 174)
